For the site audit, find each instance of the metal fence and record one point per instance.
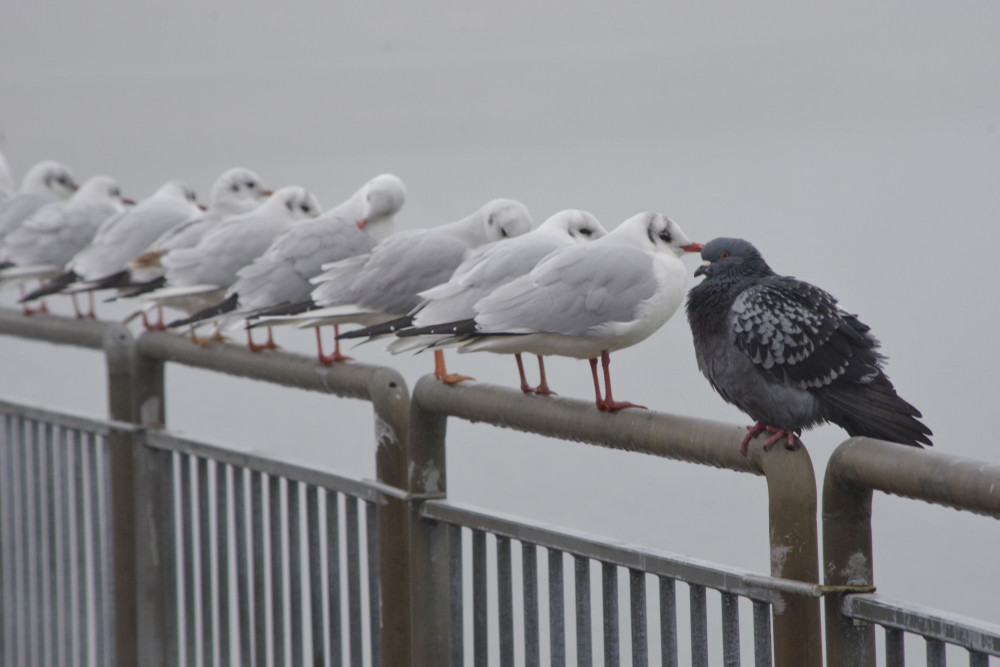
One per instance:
(123, 544)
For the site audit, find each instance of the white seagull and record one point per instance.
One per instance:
(280, 277)
(46, 182)
(485, 270)
(588, 300)
(235, 192)
(198, 277)
(41, 246)
(102, 264)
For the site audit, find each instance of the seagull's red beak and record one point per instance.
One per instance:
(202, 207)
(694, 247)
(362, 222)
(128, 202)
(266, 193)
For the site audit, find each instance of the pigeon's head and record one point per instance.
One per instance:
(505, 218)
(237, 190)
(578, 225)
(730, 257)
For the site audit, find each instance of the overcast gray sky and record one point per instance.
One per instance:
(855, 143)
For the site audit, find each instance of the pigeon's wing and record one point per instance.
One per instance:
(795, 333)
(572, 292)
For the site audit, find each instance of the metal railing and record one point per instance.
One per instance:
(197, 553)
(858, 467)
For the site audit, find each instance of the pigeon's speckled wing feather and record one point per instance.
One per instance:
(794, 332)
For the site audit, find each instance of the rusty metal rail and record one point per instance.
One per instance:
(858, 467)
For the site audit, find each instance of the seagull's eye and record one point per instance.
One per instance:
(665, 236)
(503, 232)
(586, 231)
(305, 208)
(724, 254)
(115, 192)
(251, 185)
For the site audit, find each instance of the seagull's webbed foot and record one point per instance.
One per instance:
(442, 374)
(269, 344)
(336, 357)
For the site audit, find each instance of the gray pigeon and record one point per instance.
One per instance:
(783, 352)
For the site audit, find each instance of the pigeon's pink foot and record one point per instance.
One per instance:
(778, 434)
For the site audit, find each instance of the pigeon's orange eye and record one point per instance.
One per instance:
(725, 253)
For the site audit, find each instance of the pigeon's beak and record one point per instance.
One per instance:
(703, 269)
(362, 222)
(693, 247)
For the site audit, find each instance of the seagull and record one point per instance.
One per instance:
(783, 352)
(587, 300)
(235, 192)
(385, 284)
(486, 269)
(41, 246)
(46, 182)
(6, 179)
(281, 275)
(198, 277)
(102, 264)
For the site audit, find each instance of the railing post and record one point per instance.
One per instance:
(142, 504)
(391, 403)
(791, 490)
(429, 574)
(119, 349)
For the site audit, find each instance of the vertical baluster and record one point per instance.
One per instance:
(557, 609)
(101, 518)
(935, 652)
(205, 520)
(668, 622)
(243, 574)
(455, 595)
(44, 554)
(276, 549)
(315, 575)
(529, 586)
(584, 642)
(637, 602)
(353, 578)
(894, 652)
(762, 634)
(6, 543)
(32, 619)
(296, 633)
(222, 560)
(609, 603)
(189, 532)
(335, 624)
(480, 636)
(82, 652)
(730, 630)
(505, 601)
(374, 595)
(977, 659)
(699, 626)
(259, 572)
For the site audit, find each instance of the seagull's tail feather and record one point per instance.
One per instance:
(135, 289)
(384, 329)
(118, 279)
(229, 304)
(284, 309)
(875, 410)
(57, 284)
(455, 328)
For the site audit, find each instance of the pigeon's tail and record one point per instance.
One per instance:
(229, 304)
(130, 290)
(384, 329)
(451, 328)
(875, 411)
(57, 284)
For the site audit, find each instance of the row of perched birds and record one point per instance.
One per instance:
(778, 348)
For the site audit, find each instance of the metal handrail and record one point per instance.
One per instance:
(858, 467)
(789, 474)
